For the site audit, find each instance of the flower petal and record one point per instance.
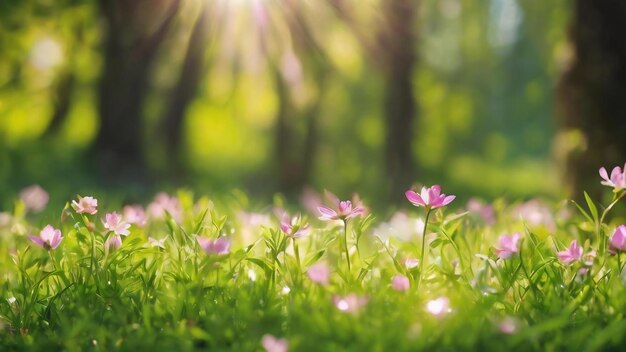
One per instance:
(327, 214)
(447, 200)
(414, 198)
(36, 240)
(604, 174)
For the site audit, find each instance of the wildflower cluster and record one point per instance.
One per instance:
(190, 275)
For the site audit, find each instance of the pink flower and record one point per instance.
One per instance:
(5, 219)
(34, 198)
(485, 211)
(293, 227)
(411, 263)
(157, 243)
(113, 222)
(344, 211)
(618, 240)
(310, 199)
(400, 226)
(85, 205)
(49, 238)
(165, 203)
(536, 214)
(590, 257)
(572, 254)
(350, 303)
(273, 344)
(219, 246)
(319, 273)
(617, 179)
(439, 307)
(114, 242)
(429, 197)
(509, 245)
(251, 225)
(400, 283)
(508, 326)
(134, 214)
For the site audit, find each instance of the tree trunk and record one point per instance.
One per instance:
(62, 101)
(397, 41)
(295, 151)
(592, 93)
(284, 146)
(186, 88)
(128, 55)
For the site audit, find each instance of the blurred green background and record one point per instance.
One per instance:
(269, 96)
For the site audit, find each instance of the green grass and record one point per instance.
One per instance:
(82, 296)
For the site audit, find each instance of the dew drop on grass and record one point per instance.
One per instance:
(342, 305)
(252, 275)
(439, 307)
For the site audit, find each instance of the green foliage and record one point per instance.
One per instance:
(84, 295)
(485, 102)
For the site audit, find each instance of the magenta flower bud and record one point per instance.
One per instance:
(618, 240)
(114, 242)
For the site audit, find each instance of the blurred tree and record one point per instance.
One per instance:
(591, 109)
(134, 32)
(295, 147)
(397, 42)
(61, 102)
(186, 88)
(66, 80)
(393, 51)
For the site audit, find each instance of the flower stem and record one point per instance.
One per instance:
(616, 199)
(422, 256)
(297, 252)
(602, 238)
(345, 243)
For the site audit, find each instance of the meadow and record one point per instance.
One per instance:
(189, 272)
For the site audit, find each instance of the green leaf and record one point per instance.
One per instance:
(315, 257)
(582, 211)
(592, 208)
(267, 267)
(200, 222)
